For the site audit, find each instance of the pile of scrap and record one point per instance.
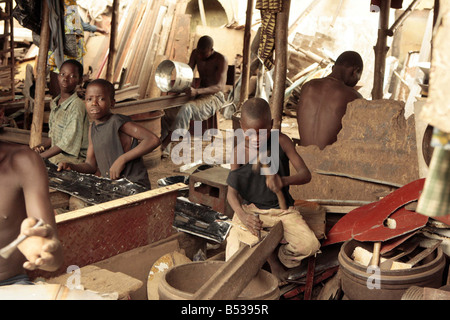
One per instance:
(388, 234)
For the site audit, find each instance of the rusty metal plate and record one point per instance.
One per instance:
(367, 223)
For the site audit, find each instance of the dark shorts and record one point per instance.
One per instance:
(19, 279)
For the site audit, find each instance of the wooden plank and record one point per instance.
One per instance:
(148, 105)
(180, 9)
(146, 68)
(231, 278)
(153, 91)
(114, 204)
(127, 27)
(130, 92)
(144, 42)
(112, 42)
(179, 50)
(246, 55)
(20, 136)
(166, 29)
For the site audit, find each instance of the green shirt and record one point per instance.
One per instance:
(69, 125)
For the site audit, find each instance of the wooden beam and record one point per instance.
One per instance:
(151, 104)
(402, 18)
(245, 75)
(381, 49)
(281, 51)
(231, 278)
(38, 112)
(112, 42)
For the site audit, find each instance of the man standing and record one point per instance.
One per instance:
(323, 102)
(212, 67)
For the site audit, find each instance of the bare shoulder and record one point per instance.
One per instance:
(220, 57)
(285, 142)
(24, 159)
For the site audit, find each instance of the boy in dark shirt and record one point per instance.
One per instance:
(253, 196)
(113, 139)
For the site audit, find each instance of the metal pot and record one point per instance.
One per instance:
(392, 283)
(173, 76)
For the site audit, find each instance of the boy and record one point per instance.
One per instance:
(113, 139)
(25, 199)
(259, 206)
(68, 121)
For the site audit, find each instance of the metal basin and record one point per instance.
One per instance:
(173, 76)
(392, 283)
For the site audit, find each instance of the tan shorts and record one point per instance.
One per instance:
(299, 240)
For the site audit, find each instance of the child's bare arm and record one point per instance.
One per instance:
(148, 142)
(44, 250)
(303, 174)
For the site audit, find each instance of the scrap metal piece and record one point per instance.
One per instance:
(366, 223)
(200, 220)
(88, 187)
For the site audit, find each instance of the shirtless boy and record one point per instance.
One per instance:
(25, 199)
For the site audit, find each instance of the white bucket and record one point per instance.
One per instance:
(172, 76)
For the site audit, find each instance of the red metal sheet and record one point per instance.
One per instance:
(361, 221)
(95, 237)
(405, 221)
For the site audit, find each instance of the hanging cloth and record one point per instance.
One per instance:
(435, 198)
(269, 10)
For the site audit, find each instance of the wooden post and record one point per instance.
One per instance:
(381, 50)
(112, 42)
(245, 73)
(279, 79)
(201, 8)
(38, 113)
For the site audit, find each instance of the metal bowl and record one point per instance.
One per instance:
(173, 76)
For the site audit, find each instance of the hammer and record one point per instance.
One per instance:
(265, 168)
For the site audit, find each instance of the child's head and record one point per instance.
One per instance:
(256, 118)
(99, 99)
(70, 76)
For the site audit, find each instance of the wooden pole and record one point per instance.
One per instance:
(112, 42)
(201, 8)
(245, 75)
(281, 51)
(38, 113)
(381, 50)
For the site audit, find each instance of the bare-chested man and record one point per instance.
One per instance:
(212, 67)
(24, 200)
(323, 102)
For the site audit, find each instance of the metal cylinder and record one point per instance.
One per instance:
(173, 76)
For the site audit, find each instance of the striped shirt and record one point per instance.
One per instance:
(69, 125)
